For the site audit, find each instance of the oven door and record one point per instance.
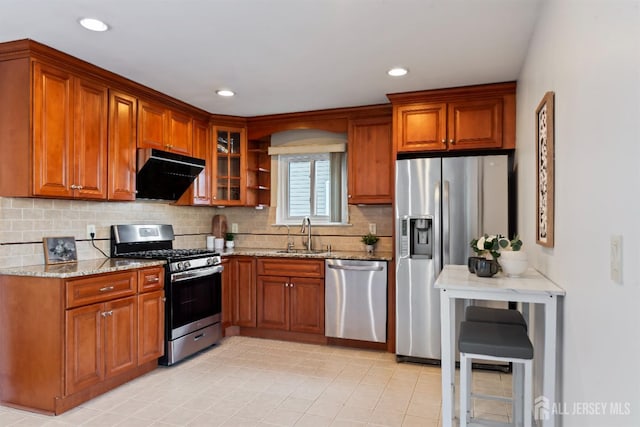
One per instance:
(194, 300)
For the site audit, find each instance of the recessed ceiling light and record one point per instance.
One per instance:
(225, 92)
(93, 24)
(397, 72)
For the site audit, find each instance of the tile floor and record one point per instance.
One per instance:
(255, 382)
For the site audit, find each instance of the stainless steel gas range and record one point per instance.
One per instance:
(193, 287)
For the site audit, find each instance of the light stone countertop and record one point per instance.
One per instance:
(353, 255)
(80, 268)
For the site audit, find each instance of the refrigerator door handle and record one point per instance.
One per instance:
(445, 224)
(437, 265)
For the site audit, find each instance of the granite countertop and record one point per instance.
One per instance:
(109, 265)
(80, 268)
(354, 255)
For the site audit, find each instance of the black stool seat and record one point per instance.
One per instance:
(474, 313)
(495, 339)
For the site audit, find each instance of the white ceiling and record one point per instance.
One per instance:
(286, 55)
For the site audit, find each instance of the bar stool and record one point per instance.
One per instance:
(499, 342)
(474, 313)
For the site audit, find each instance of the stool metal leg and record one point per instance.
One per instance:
(516, 392)
(465, 392)
(528, 391)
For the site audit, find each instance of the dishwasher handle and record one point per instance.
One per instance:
(355, 267)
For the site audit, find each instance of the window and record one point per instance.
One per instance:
(311, 185)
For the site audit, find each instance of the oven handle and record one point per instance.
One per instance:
(187, 275)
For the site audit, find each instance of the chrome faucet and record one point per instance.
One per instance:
(306, 224)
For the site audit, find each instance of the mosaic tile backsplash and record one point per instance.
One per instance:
(24, 222)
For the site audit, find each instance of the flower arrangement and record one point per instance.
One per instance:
(493, 244)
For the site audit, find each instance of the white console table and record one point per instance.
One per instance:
(455, 282)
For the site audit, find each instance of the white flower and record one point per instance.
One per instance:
(480, 244)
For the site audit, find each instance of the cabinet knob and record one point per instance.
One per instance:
(444, 141)
(349, 196)
(451, 141)
(291, 285)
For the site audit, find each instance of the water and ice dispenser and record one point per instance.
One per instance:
(416, 237)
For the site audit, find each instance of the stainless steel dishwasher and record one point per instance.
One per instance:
(356, 299)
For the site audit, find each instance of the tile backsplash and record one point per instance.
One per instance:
(24, 222)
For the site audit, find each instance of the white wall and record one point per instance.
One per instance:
(588, 53)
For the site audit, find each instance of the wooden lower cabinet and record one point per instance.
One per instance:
(291, 303)
(243, 284)
(101, 342)
(227, 294)
(150, 326)
(65, 341)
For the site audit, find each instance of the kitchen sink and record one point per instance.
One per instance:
(301, 251)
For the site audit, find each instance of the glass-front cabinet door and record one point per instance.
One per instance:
(230, 180)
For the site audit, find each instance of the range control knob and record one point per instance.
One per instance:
(187, 264)
(209, 261)
(179, 266)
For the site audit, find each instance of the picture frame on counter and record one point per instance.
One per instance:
(545, 156)
(59, 250)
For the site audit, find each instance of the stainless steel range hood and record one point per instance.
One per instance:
(163, 175)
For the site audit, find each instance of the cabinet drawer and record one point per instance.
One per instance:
(291, 267)
(150, 279)
(100, 288)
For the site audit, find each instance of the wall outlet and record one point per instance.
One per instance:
(91, 229)
(372, 228)
(616, 258)
(234, 227)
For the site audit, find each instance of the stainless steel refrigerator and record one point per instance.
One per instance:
(441, 205)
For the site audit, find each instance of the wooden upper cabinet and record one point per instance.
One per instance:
(200, 191)
(152, 131)
(370, 174)
(52, 131)
(475, 124)
(230, 154)
(180, 133)
(421, 127)
(164, 129)
(466, 118)
(123, 111)
(90, 141)
(69, 135)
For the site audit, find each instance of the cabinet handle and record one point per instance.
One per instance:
(107, 313)
(197, 337)
(107, 288)
(73, 186)
(444, 141)
(452, 142)
(153, 279)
